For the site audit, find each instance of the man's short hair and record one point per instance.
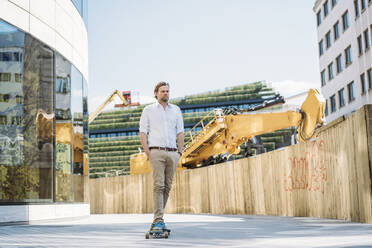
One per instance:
(158, 85)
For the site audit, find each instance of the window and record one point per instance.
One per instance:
(363, 4)
(345, 20)
(350, 88)
(339, 63)
(360, 45)
(333, 103)
(18, 77)
(348, 59)
(366, 39)
(4, 97)
(328, 39)
(336, 31)
(326, 108)
(11, 56)
(323, 77)
(341, 98)
(363, 83)
(16, 56)
(3, 119)
(325, 8)
(5, 76)
(319, 18)
(334, 2)
(321, 48)
(356, 7)
(330, 71)
(369, 73)
(5, 56)
(63, 84)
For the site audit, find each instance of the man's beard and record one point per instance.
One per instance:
(164, 99)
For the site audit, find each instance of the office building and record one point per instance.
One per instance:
(345, 57)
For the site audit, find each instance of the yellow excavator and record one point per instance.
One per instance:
(227, 130)
(111, 97)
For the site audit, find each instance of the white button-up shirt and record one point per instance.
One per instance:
(161, 125)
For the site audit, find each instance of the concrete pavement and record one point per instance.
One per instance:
(126, 230)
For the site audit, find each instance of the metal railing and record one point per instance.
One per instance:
(193, 135)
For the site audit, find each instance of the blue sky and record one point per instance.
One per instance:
(200, 45)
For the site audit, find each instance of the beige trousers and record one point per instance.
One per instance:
(163, 164)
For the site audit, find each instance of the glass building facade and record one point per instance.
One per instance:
(43, 121)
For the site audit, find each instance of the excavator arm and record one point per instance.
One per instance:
(224, 133)
(116, 92)
(243, 127)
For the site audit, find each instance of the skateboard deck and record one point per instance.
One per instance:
(164, 234)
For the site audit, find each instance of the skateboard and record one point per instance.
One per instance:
(161, 234)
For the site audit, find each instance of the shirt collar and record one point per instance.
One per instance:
(159, 105)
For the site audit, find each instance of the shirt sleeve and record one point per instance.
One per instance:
(180, 128)
(144, 125)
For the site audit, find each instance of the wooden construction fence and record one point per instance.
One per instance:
(328, 177)
(81, 188)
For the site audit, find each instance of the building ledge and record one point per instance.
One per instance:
(13, 214)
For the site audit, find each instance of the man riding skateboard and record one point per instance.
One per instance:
(162, 138)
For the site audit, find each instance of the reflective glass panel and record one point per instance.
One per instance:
(64, 138)
(12, 168)
(38, 118)
(77, 119)
(85, 128)
(27, 118)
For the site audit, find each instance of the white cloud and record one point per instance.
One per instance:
(289, 88)
(143, 99)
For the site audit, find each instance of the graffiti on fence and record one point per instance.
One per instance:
(307, 172)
